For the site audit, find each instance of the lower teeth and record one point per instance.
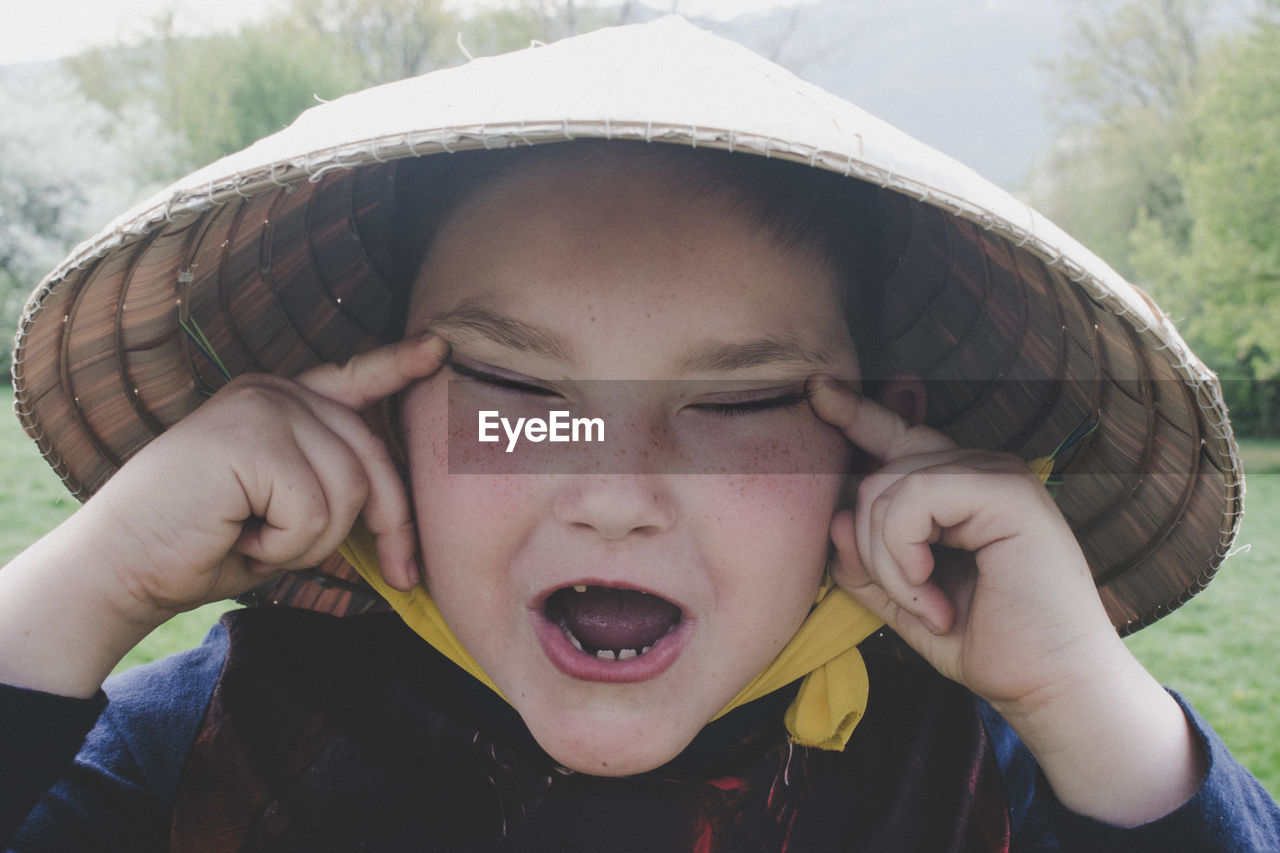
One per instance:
(603, 654)
(621, 654)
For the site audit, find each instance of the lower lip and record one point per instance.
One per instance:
(584, 667)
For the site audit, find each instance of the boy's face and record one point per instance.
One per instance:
(544, 282)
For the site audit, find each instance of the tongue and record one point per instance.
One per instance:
(605, 618)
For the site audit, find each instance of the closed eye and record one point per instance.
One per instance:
(500, 380)
(750, 406)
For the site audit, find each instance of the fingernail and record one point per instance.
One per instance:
(819, 382)
(434, 341)
(929, 626)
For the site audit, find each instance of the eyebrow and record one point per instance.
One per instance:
(711, 357)
(506, 331)
(717, 356)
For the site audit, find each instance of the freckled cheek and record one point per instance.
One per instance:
(447, 500)
(793, 500)
(775, 444)
(470, 527)
(763, 520)
(765, 539)
(424, 426)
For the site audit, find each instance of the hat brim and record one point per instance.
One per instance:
(278, 254)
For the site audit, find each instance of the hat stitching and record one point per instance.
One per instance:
(318, 173)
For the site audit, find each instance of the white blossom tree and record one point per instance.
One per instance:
(67, 166)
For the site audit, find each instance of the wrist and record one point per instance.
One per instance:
(1116, 747)
(63, 625)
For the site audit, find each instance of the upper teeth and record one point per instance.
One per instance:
(582, 587)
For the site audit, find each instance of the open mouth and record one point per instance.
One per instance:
(609, 623)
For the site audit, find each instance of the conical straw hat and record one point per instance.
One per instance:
(277, 255)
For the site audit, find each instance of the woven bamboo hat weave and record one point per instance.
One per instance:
(277, 256)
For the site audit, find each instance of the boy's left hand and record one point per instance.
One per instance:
(1008, 608)
(1011, 609)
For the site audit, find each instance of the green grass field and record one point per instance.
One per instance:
(1220, 650)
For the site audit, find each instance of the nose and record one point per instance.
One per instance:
(615, 506)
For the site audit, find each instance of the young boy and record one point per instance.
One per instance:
(605, 618)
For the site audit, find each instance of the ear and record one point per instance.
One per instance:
(904, 394)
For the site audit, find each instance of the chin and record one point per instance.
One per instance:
(617, 759)
(603, 749)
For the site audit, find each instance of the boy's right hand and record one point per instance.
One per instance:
(266, 477)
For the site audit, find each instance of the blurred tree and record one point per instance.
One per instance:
(90, 166)
(1168, 165)
(224, 92)
(517, 25)
(383, 40)
(218, 92)
(1132, 54)
(1122, 105)
(1221, 279)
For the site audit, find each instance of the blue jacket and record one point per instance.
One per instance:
(138, 771)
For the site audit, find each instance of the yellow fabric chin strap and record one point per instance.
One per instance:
(832, 697)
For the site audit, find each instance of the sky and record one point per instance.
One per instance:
(36, 31)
